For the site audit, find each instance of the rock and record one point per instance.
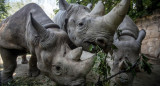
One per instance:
(151, 43)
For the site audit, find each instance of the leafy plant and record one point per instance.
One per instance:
(146, 8)
(3, 9)
(22, 81)
(103, 69)
(144, 65)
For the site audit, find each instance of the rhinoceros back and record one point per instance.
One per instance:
(60, 18)
(13, 34)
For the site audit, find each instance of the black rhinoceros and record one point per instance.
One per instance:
(128, 41)
(85, 27)
(31, 30)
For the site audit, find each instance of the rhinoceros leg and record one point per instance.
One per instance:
(24, 59)
(9, 64)
(33, 70)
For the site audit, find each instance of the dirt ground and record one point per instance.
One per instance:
(21, 78)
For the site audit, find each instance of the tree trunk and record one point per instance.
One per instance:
(139, 5)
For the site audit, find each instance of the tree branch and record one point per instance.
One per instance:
(123, 71)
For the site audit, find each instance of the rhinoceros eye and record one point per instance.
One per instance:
(80, 24)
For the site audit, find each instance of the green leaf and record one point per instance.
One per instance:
(145, 65)
(91, 47)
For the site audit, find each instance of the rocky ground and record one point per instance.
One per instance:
(21, 78)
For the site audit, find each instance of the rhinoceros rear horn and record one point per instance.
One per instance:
(98, 9)
(117, 14)
(63, 5)
(141, 36)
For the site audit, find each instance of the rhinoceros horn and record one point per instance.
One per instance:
(98, 9)
(116, 15)
(87, 64)
(141, 36)
(63, 5)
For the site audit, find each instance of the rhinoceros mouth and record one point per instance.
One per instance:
(87, 45)
(122, 78)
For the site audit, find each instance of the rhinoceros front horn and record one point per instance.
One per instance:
(98, 9)
(117, 14)
(87, 64)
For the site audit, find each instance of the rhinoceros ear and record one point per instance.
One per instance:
(34, 30)
(89, 6)
(63, 5)
(98, 9)
(141, 36)
(42, 32)
(44, 37)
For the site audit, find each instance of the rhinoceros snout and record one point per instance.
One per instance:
(122, 78)
(101, 41)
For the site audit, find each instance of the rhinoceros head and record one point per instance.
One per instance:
(54, 56)
(86, 27)
(129, 46)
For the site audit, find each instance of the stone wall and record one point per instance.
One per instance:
(151, 43)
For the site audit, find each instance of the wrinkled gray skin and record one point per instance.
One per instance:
(85, 27)
(129, 46)
(31, 30)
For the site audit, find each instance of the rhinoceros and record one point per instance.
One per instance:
(24, 59)
(31, 30)
(128, 41)
(85, 27)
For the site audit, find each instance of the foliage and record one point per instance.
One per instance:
(144, 65)
(55, 11)
(3, 9)
(136, 9)
(22, 81)
(30, 81)
(103, 69)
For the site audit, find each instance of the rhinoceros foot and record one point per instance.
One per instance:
(34, 72)
(24, 59)
(4, 79)
(24, 62)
